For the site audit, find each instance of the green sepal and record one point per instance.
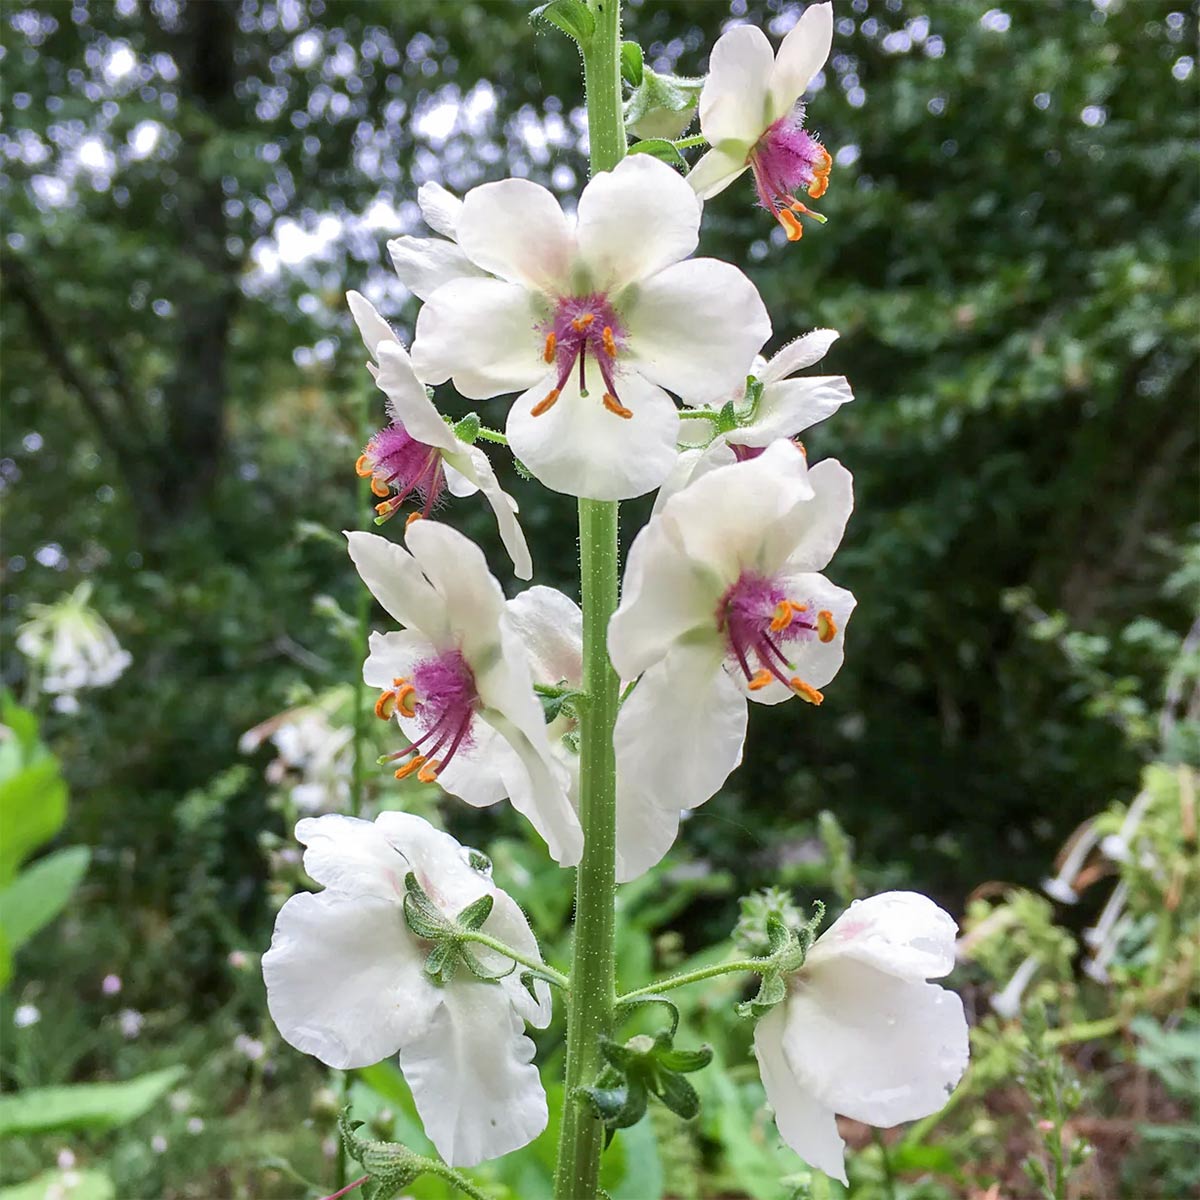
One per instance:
(678, 1095)
(660, 148)
(472, 963)
(662, 106)
(686, 1061)
(627, 1006)
(391, 1165)
(423, 917)
(442, 962)
(573, 17)
(521, 469)
(771, 991)
(467, 430)
(631, 63)
(529, 983)
(618, 1107)
(478, 911)
(727, 419)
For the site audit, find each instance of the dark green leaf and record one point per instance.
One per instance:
(631, 63)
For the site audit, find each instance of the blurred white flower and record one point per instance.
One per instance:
(1007, 1002)
(1060, 886)
(72, 647)
(195, 1125)
(26, 1015)
(158, 1144)
(346, 982)
(130, 1022)
(316, 755)
(111, 985)
(248, 1046)
(593, 319)
(861, 1032)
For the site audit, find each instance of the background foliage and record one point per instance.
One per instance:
(189, 188)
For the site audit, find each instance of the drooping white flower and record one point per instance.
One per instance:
(752, 115)
(457, 680)
(723, 602)
(786, 406)
(345, 981)
(593, 321)
(424, 264)
(419, 452)
(72, 647)
(1060, 886)
(861, 1032)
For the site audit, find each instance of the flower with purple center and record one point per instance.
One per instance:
(752, 115)
(722, 603)
(457, 681)
(782, 407)
(419, 453)
(346, 981)
(593, 320)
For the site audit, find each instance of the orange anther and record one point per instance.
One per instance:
(385, 705)
(826, 626)
(610, 342)
(551, 346)
(786, 612)
(799, 446)
(615, 406)
(792, 224)
(406, 698)
(582, 322)
(413, 516)
(362, 468)
(386, 508)
(819, 186)
(378, 487)
(429, 772)
(544, 406)
(760, 680)
(806, 691)
(413, 764)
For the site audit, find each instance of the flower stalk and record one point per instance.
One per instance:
(592, 969)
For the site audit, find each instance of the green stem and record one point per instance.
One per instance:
(492, 435)
(592, 968)
(757, 965)
(538, 968)
(685, 143)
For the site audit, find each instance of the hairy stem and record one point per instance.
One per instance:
(538, 968)
(675, 981)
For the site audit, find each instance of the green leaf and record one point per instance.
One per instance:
(573, 17)
(88, 1184)
(39, 893)
(474, 915)
(33, 807)
(660, 148)
(84, 1105)
(631, 63)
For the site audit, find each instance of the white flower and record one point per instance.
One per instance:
(722, 601)
(786, 406)
(458, 682)
(130, 1022)
(591, 320)
(72, 645)
(25, 1015)
(418, 452)
(345, 982)
(751, 114)
(861, 1032)
(424, 264)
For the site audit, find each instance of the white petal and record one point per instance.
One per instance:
(440, 208)
(812, 660)
(801, 55)
(714, 172)
(744, 516)
(875, 1047)
(678, 736)
(550, 627)
(375, 331)
(344, 979)
(396, 581)
(475, 468)
(482, 332)
(457, 483)
(788, 408)
(902, 933)
(634, 220)
(665, 596)
(346, 854)
(515, 229)
(472, 1076)
(478, 772)
(393, 656)
(426, 264)
(695, 328)
(439, 862)
(734, 100)
(471, 599)
(692, 465)
(817, 531)
(508, 923)
(799, 354)
(409, 402)
(807, 1125)
(580, 448)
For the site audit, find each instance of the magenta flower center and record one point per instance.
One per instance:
(758, 620)
(395, 462)
(785, 159)
(440, 696)
(583, 327)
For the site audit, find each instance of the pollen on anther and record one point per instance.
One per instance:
(761, 680)
(610, 342)
(791, 223)
(826, 626)
(363, 468)
(551, 346)
(616, 407)
(429, 772)
(412, 516)
(581, 322)
(413, 764)
(545, 405)
(379, 488)
(806, 691)
(385, 705)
